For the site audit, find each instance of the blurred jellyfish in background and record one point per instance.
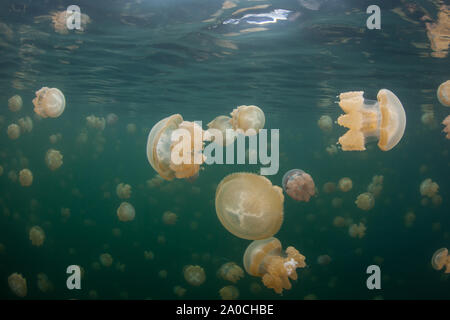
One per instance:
(329, 187)
(94, 122)
(446, 123)
(25, 178)
(12, 175)
(106, 260)
(357, 230)
(162, 274)
(223, 124)
(148, 255)
(428, 188)
(169, 218)
(123, 191)
(298, 185)
(13, 131)
(230, 271)
(249, 119)
(376, 186)
(194, 275)
(325, 123)
(112, 119)
(26, 124)
(409, 219)
(43, 283)
(345, 184)
(229, 293)
(37, 236)
(15, 103)
(331, 150)
(443, 93)
(384, 120)
(49, 102)
(53, 159)
(264, 258)
(365, 201)
(165, 142)
(126, 212)
(324, 260)
(249, 206)
(18, 284)
(440, 260)
(179, 291)
(131, 128)
(55, 138)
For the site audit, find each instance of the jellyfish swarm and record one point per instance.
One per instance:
(384, 120)
(18, 284)
(230, 271)
(446, 123)
(441, 259)
(249, 206)
(249, 119)
(298, 185)
(443, 93)
(194, 275)
(49, 102)
(165, 142)
(264, 258)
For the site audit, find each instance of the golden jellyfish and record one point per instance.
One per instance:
(443, 93)
(329, 187)
(331, 150)
(376, 186)
(1, 171)
(264, 258)
(26, 124)
(126, 212)
(324, 259)
(37, 236)
(162, 274)
(345, 184)
(409, 219)
(446, 123)
(175, 148)
(12, 175)
(384, 120)
(440, 260)
(223, 124)
(365, 201)
(106, 260)
(339, 222)
(248, 119)
(229, 293)
(49, 102)
(123, 191)
(148, 255)
(325, 123)
(15, 103)
(169, 218)
(357, 230)
(249, 206)
(13, 131)
(429, 188)
(179, 291)
(111, 118)
(18, 284)
(131, 128)
(94, 122)
(25, 178)
(194, 275)
(43, 283)
(53, 159)
(230, 271)
(428, 119)
(298, 185)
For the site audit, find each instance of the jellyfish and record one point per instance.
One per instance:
(43, 283)
(169, 218)
(163, 148)
(194, 275)
(428, 119)
(298, 185)
(12, 175)
(49, 102)
(13, 131)
(25, 178)
(384, 120)
(162, 274)
(123, 191)
(223, 124)
(37, 236)
(357, 230)
(446, 123)
(1, 171)
(15, 103)
(229, 293)
(60, 19)
(329, 187)
(230, 271)
(148, 255)
(249, 206)
(345, 184)
(428, 188)
(53, 159)
(339, 222)
(26, 124)
(264, 258)
(106, 259)
(409, 218)
(2, 248)
(126, 212)
(441, 259)
(248, 119)
(94, 122)
(111, 118)
(331, 150)
(376, 186)
(365, 201)
(131, 128)
(443, 93)
(179, 291)
(18, 284)
(325, 123)
(324, 259)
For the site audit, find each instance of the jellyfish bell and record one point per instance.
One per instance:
(365, 201)
(249, 206)
(229, 293)
(325, 123)
(53, 159)
(15, 103)
(298, 185)
(126, 212)
(443, 93)
(25, 178)
(264, 258)
(345, 184)
(49, 102)
(249, 119)
(384, 120)
(440, 260)
(37, 236)
(13, 131)
(111, 118)
(446, 124)
(223, 124)
(18, 284)
(194, 275)
(230, 271)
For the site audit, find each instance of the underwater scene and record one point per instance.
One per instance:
(224, 149)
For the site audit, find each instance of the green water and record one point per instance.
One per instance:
(145, 60)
